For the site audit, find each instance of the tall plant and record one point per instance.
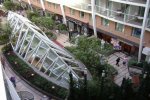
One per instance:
(8, 5)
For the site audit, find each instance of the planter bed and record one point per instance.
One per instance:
(32, 78)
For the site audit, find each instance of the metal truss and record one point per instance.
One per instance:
(42, 53)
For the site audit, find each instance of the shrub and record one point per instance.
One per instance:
(9, 5)
(89, 54)
(51, 35)
(31, 14)
(133, 62)
(4, 38)
(62, 27)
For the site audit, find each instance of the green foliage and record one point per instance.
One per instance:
(62, 27)
(31, 14)
(4, 38)
(4, 34)
(87, 51)
(133, 62)
(46, 22)
(94, 91)
(52, 36)
(25, 71)
(9, 5)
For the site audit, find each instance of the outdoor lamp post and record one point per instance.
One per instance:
(102, 82)
(102, 60)
(53, 87)
(145, 74)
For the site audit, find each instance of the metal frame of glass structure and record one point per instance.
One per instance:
(35, 48)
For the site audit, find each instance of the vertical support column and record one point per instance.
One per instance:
(63, 13)
(30, 5)
(43, 6)
(143, 29)
(93, 17)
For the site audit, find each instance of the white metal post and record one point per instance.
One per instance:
(30, 5)
(63, 13)
(93, 17)
(143, 29)
(29, 45)
(43, 6)
(24, 37)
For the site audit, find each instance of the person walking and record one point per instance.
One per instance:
(13, 80)
(125, 60)
(117, 61)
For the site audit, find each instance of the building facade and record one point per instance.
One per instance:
(125, 21)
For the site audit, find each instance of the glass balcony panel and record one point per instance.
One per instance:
(118, 15)
(137, 20)
(133, 1)
(148, 23)
(84, 6)
(101, 10)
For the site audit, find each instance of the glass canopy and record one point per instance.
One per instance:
(41, 53)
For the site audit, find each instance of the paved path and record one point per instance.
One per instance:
(63, 39)
(122, 70)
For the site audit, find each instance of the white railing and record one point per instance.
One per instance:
(2, 86)
(8, 84)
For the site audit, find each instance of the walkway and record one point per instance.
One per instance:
(63, 39)
(122, 70)
(20, 84)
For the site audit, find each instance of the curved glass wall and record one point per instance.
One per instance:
(41, 53)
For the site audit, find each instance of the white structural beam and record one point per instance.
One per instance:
(2, 87)
(43, 6)
(63, 13)
(143, 29)
(93, 17)
(30, 5)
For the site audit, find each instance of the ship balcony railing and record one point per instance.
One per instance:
(120, 15)
(133, 1)
(134, 19)
(148, 23)
(84, 6)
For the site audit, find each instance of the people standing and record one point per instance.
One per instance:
(117, 61)
(3, 61)
(13, 80)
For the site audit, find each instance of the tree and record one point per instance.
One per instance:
(9, 5)
(5, 33)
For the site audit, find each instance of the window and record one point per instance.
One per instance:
(136, 32)
(119, 27)
(81, 14)
(105, 22)
(90, 17)
(72, 11)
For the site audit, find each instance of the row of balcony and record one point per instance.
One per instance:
(121, 12)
